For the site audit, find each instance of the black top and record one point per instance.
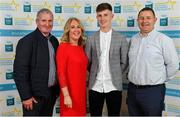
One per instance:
(31, 65)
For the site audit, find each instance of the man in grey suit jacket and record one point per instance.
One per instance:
(107, 54)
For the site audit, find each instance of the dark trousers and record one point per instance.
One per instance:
(146, 100)
(44, 107)
(113, 102)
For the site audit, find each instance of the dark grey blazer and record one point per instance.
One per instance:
(118, 58)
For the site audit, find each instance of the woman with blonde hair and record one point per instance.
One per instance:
(71, 69)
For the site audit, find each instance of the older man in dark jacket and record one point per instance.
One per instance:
(34, 68)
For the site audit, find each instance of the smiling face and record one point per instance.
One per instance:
(45, 23)
(104, 19)
(146, 21)
(74, 32)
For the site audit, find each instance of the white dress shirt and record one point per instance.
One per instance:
(103, 82)
(152, 59)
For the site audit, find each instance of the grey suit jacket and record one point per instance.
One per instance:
(118, 58)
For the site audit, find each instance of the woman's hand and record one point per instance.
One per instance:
(68, 101)
(67, 98)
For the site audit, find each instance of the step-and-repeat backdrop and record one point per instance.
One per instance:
(17, 18)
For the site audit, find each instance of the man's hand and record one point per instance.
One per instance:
(28, 104)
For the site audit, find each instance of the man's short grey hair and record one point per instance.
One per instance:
(44, 10)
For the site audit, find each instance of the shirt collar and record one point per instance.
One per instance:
(149, 34)
(106, 33)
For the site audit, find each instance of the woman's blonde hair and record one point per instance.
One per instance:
(65, 36)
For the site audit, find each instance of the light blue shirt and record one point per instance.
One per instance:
(152, 59)
(52, 67)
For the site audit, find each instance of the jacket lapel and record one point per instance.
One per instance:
(97, 42)
(112, 43)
